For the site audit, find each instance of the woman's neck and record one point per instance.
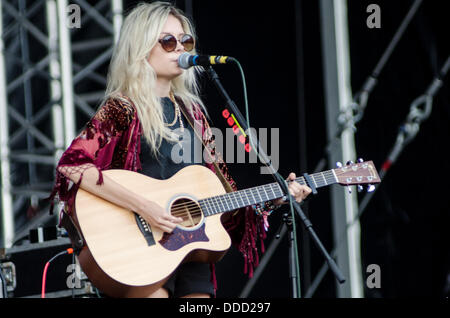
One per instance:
(162, 87)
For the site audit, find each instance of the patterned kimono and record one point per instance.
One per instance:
(111, 140)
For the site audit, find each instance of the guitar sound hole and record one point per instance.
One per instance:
(188, 210)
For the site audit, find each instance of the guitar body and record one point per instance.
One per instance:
(126, 257)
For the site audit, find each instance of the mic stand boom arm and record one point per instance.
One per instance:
(308, 225)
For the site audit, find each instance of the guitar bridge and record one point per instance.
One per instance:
(145, 229)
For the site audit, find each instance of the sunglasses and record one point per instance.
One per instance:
(169, 42)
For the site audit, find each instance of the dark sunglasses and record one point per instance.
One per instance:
(169, 42)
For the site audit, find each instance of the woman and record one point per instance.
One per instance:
(149, 101)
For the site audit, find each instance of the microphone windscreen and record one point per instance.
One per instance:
(183, 60)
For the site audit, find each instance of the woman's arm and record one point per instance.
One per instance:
(115, 193)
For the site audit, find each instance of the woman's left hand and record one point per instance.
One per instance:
(298, 191)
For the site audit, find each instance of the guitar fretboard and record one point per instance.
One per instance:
(239, 199)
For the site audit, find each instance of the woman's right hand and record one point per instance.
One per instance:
(156, 216)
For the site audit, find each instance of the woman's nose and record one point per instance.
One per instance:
(180, 47)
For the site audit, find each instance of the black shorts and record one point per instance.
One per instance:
(190, 278)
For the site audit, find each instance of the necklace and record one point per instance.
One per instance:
(177, 112)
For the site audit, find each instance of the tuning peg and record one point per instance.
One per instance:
(370, 188)
(360, 188)
(360, 160)
(349, 162)
(339, 164)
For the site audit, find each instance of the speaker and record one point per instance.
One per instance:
(23, 266)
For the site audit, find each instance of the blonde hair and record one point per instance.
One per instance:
(131, 75)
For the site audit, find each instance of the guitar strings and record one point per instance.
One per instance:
(185, 209)
(218, 200)
(193, 208)
(189, 209)
(192, 214)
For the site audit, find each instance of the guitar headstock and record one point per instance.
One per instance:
(363, 172)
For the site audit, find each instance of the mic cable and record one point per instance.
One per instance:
(44, 275)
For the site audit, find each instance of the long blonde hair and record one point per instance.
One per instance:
(131, 74)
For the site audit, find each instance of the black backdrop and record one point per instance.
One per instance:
(278, 44)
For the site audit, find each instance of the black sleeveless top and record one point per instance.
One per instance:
(172, 156)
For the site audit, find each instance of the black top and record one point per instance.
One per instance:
(172, 156)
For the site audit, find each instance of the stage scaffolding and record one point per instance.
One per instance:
(53, 62)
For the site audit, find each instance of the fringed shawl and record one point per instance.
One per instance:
(111, 140)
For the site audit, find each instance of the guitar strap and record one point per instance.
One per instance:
(218, 171)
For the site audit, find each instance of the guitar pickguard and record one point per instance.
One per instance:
(179, 238)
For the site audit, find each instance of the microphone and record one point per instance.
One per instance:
(187, 60)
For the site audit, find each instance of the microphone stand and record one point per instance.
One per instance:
(294, 279)
(283, 185)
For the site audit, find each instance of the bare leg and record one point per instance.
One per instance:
(159, 293)
(197, 295)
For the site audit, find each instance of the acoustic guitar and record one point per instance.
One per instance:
(133, 253)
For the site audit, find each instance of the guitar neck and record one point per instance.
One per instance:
(239, 199)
